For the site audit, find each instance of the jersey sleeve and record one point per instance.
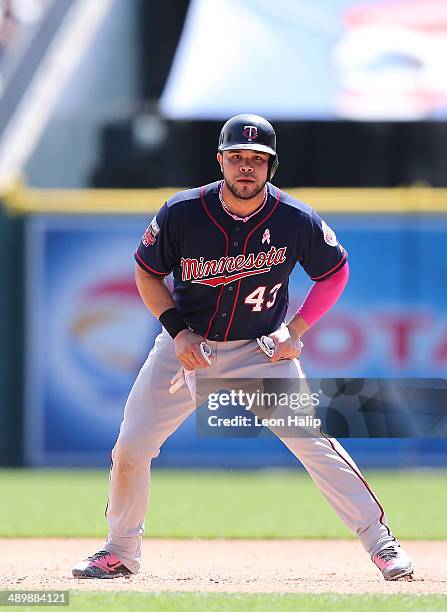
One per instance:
(157, 252)
(322, 255)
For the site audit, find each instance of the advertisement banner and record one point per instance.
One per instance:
(370, 60)
(88, 333)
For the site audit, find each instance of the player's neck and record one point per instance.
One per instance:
(239, 206)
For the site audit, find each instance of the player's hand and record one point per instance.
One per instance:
(187, 349)
(286, 346)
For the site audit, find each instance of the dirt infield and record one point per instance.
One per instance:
(280, 566)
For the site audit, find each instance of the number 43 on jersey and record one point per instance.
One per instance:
(257, 298)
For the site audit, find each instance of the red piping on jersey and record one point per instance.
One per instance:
(315, 278)
(364, 481)
(202, 198)
(144, 264)
(245, 248)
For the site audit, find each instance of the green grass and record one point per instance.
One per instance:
(185, 504)
(265, 602)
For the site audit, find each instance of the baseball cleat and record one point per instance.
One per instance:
(394, 563)
(102, 564)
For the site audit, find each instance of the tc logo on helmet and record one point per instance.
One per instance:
(250, 132)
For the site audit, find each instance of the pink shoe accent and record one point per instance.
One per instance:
(393, 562)
(102, 564)
(108, 562)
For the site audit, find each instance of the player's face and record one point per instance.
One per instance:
(245, 171)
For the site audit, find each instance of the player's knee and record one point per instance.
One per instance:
(125, 458)
(128, 456)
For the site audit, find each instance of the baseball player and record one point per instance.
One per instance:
(231, 246)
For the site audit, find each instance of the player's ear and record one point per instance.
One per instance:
(220, 160)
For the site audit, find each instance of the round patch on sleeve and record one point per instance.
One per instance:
(329, 235)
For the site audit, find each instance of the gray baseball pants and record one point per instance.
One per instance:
(152, 414)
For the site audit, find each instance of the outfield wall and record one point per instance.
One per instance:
(87, 332)
(11, 338)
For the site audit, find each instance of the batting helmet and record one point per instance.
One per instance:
(250, 132)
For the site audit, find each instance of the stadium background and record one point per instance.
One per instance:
(361, 140)
(107, 108)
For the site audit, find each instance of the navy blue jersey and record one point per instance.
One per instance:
(231, 276)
